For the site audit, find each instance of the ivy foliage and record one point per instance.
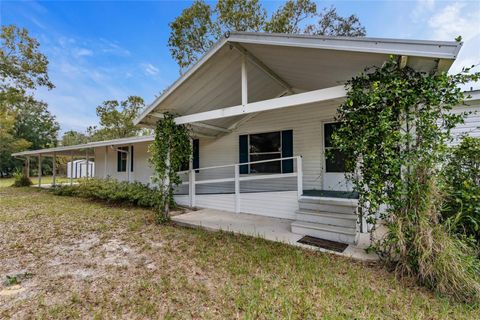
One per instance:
(170, 149)
(396, 123)
(461, 177)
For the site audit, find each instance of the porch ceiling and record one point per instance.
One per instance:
(304, 63)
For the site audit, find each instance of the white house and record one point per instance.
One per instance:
(262, 109)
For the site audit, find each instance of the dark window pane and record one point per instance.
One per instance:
(122, 159)
(335, 161)
(329, 130)
(265, 167)
(265, 142)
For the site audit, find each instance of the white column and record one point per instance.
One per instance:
(86, 157)
(105, 163)
(54, 169)
(237, 188)
(166, 183)
(71, 168)
(28, 167)
(128, 163)
(299, 176)
(192, 189)
(244, 81)
(39, 170)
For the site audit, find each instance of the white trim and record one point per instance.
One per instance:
(265, 105)
(432, 49)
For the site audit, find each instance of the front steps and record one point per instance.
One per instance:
(332, 219)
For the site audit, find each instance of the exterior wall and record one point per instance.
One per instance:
(307, 125)
(141, 168)
(472, 123)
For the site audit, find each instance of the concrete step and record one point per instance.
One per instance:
(334, 205)
(328, 218)
(333, 233)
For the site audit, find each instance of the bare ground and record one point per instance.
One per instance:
(78, 259)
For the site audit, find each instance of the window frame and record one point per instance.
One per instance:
(280, 152)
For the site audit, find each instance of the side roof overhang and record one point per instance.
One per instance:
(80, 149)
(280, 64)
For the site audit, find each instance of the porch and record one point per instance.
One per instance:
(269, 228)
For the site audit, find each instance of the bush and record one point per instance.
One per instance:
(21, 180)
(461, 177)
(113, 191)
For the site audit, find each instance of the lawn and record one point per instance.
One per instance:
(7, 182)
(74, 258)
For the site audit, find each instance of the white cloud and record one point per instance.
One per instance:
(83, 52)
(422, 7)
(150, 69)
(454, 20)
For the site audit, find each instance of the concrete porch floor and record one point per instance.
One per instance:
(273, 229)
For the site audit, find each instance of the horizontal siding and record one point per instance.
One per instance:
(272, 204)
(471, 126)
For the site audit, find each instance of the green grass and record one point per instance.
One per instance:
(7, 182)
(90, 260)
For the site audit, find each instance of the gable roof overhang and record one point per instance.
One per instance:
(279, 64)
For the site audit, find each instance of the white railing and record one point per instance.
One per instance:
(237, 178)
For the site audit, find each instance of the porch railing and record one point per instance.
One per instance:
(237, 178)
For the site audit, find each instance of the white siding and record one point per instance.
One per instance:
(141, 168)
(472, 122)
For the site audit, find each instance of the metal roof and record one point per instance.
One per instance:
(303, 61)
(85, 146)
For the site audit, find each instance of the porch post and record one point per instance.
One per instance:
(28, 167)
(39, 170)
(299, 176)
(244, 81)
(54, 169)
(86, 157)
(128, 163)
(71, 168)
(237, 188)
(166, 184)
(105, 163)
(191, 180)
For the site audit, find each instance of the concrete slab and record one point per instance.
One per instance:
(273, 229)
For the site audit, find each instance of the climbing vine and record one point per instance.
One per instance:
(396, 123)
(170, 149)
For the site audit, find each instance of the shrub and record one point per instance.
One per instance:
(113, 191)
(461, 177)
(21, 180)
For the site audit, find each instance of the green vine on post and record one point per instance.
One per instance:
(396, 123)
(170, 149)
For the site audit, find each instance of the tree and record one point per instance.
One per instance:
(23, 68)
(116, 119)
(199, 26)
(289, 17)
(72, 137)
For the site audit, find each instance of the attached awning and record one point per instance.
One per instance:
(80, 149)
(279, 65)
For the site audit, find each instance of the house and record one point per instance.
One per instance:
(262, 109)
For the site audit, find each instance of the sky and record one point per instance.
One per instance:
(104, 50)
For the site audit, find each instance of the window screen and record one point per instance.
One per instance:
(334, 158)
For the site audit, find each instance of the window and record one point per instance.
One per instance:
(265, 146)
(334, 158)
(122, 156)
(195, 157)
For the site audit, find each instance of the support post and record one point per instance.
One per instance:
(28, 167)
(86, 158)
(105, 163)
(54, 169)
(166, 185)
(299, 176)
(244, 81)
(192, 189)
(71, 168)
(39, 170)
(237, 188)
(128, 162)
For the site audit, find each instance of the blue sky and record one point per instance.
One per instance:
(101, 50)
